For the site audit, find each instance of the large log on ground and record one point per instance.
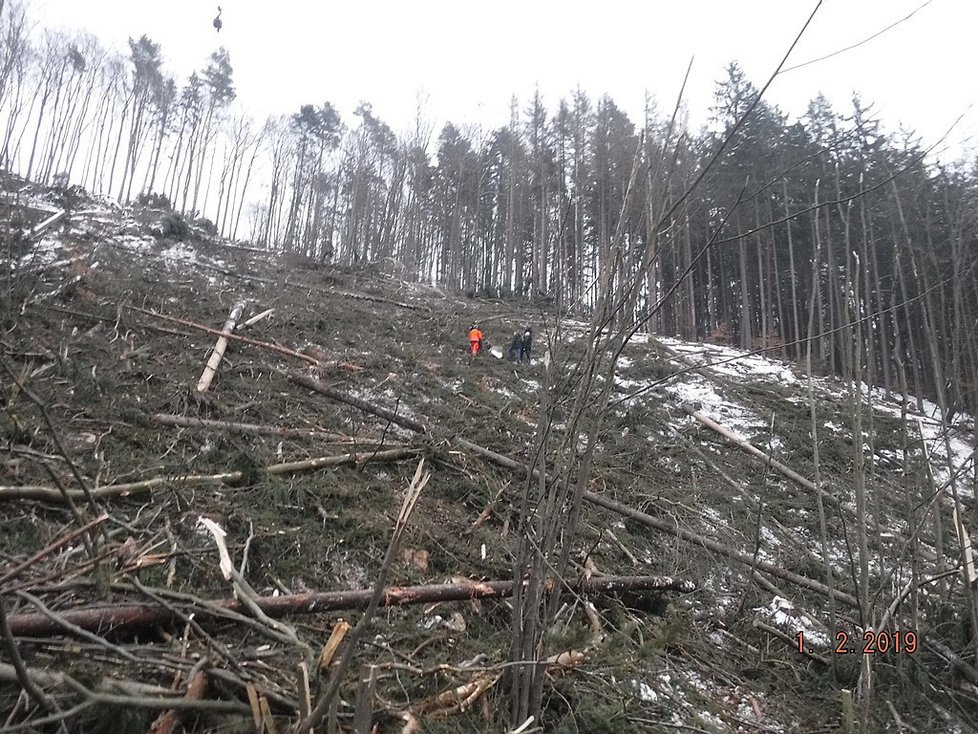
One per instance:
(111, 618)
(46, 224)
(744, 445)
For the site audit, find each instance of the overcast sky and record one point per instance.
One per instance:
(467, 59)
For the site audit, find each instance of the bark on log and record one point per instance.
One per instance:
(168, 721)
(745, 445)
(222, 343)
(46, 224)
(55, 495)
(167, 419)
(245, 340)
(112, 618)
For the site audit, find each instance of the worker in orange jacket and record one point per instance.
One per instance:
(475, 339)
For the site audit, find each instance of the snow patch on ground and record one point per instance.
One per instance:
(139, 245)
(684, 691)
(783, 614)
(42, 254)
(179, 255)
(732, 362)
(951, 449)
(700, 392)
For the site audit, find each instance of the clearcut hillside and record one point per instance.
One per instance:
(121, 482)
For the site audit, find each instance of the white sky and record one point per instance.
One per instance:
(468, 59)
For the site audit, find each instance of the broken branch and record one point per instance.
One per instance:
(180, 421)
(222, 343)
(142, 615)
(168, 722)
(245, 340)
(51, 494)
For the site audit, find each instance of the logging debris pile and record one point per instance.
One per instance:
(191, 546)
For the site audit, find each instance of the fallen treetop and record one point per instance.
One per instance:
(106, 618)
(168, 419)
(310, 382)
(56, 495)
(378, 299)
(245, 340)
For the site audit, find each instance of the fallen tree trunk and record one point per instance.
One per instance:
(969, 671)
(672, 529)
(712, 545)
(53, 494)
(104, 619)
(222, 344)
(745, 445)
(245, 340)
(378, 299)
(46, 224)
(168, 419)
(310, 382)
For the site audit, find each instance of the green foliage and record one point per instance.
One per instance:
(218, 77)
(206, 225)
(174, 227)
(594, 716)
(120, 720)
(154, 201)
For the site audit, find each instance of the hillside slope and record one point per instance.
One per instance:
(102, 352)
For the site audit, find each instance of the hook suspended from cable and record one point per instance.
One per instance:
(217, 20)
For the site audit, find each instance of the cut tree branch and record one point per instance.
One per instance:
(168, 721)
(245, 340)
(222, 344)
(142, 615)
(167, 419)
(745, 445)
(53, 495)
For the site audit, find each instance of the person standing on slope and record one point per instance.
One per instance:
(525, 343)
(475, 339)
(515, 347)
